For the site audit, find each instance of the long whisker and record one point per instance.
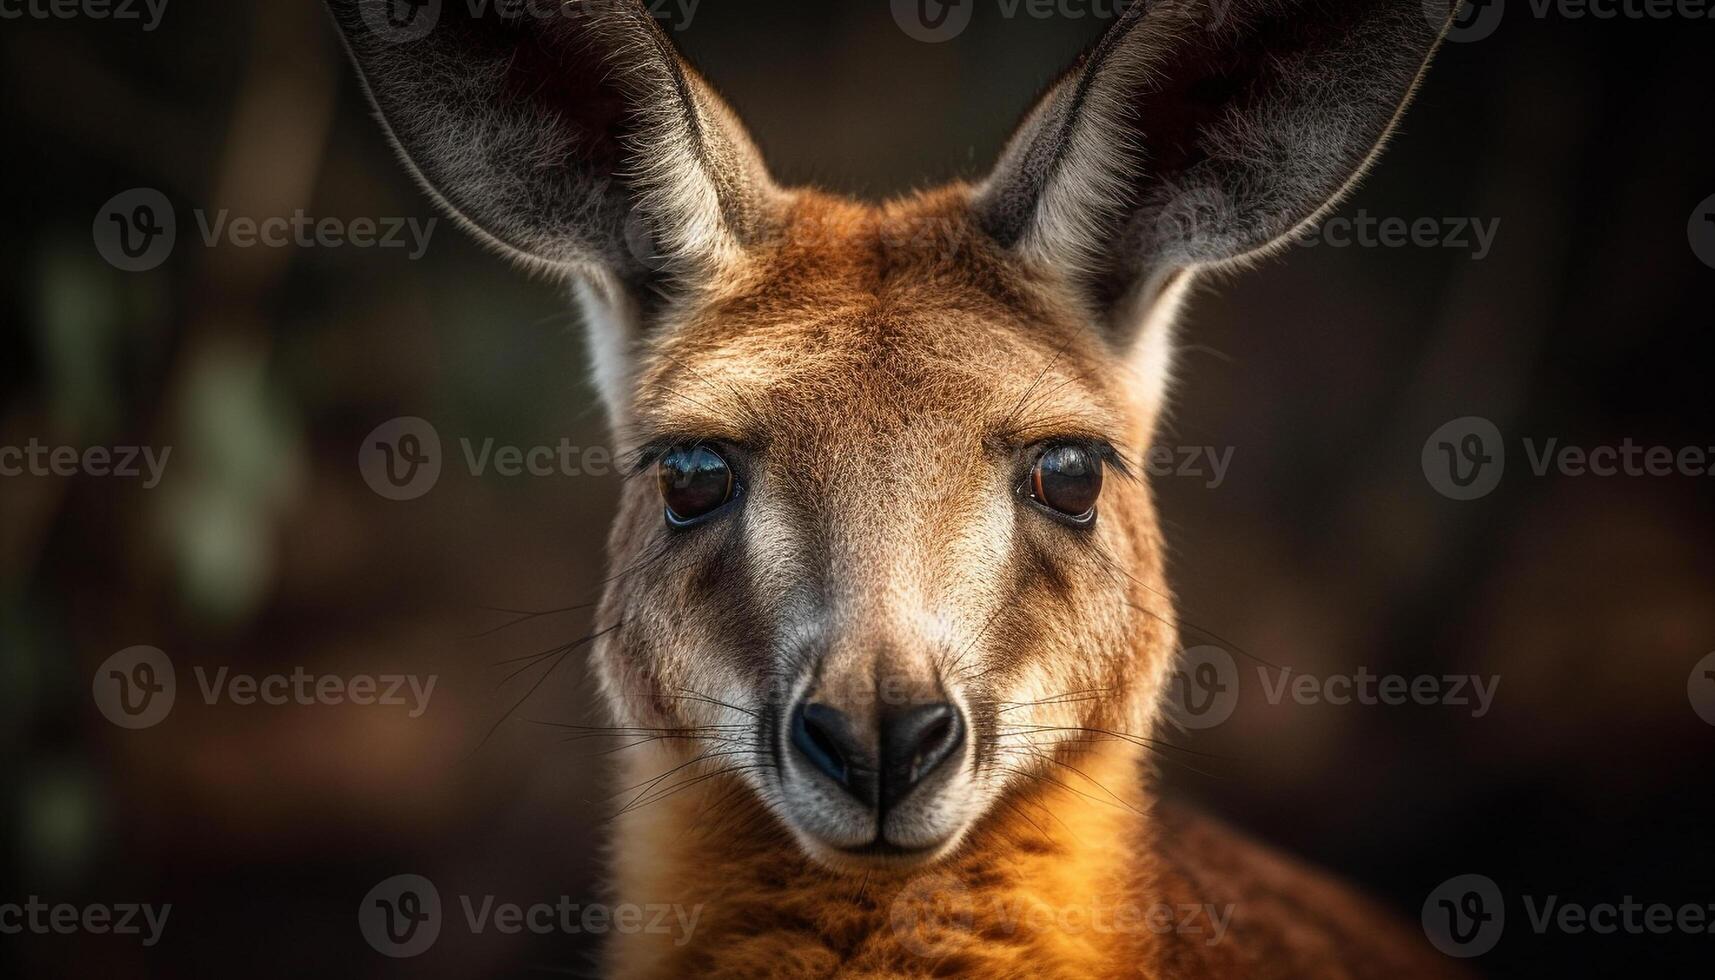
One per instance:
(562, 653)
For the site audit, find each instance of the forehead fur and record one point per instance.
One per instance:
(904, 311)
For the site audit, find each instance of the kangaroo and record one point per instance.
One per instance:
(889, 627)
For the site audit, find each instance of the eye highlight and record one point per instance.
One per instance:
(695, 481)
(1067, 479)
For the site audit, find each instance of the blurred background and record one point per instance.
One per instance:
(1323, 546)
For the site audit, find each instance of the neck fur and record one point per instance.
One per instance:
(1034, 890)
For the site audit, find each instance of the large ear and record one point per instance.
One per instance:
(1197, 133)
(571, 135)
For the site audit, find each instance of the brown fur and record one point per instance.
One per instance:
(873, 352)
(881, 379)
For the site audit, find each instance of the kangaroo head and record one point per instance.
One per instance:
(884, 558)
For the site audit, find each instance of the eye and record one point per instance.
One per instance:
(695, 481)
(1068, 479)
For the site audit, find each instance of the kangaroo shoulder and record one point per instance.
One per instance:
(1281, 919)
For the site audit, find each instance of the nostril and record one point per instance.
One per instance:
(813, 732)
(824, 737)
(930, 749)
(914, 743)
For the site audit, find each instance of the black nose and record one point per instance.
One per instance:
(913, 741)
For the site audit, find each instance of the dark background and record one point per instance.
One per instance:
(1325, 549)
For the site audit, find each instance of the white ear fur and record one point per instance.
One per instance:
(611, 321)
(1150, 357)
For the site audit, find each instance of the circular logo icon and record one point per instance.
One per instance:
(933, 915)
(401, 917)
(1203, 689)
(1464, 917)
(1701, 231)
(643, 244)
(933, 21)
(401, 459)
(1192, 217)
(1700, 687)
(1464, 459)
(135, 687)
(399, 21)
(1472, 20)
(135, 230)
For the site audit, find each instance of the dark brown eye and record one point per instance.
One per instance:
(1068, 479)
(694, 480)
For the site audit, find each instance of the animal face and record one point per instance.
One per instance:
(883, 556)
(889, 545)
